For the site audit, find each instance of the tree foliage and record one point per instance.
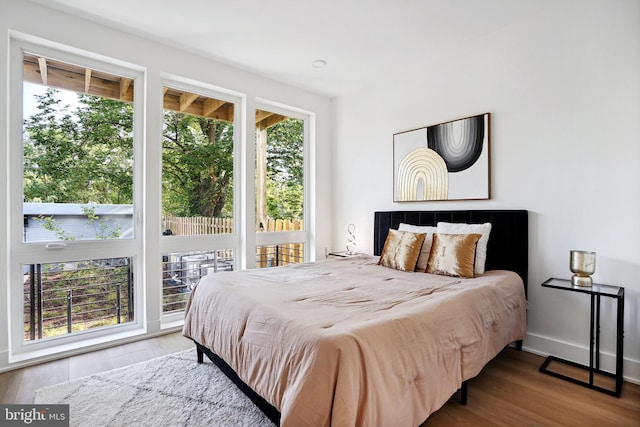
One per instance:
(285, 169)
(84, 153)
(197, 166)
(81, 155)
(102, 228)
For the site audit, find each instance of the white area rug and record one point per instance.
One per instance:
(171, 390)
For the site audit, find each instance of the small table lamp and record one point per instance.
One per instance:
(582, 265)
(351, 239)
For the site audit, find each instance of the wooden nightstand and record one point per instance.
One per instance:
(596, 292)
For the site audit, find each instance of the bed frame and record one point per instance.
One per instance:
(268, 409)
(507, 250)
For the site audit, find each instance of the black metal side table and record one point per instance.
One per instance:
(596, 292)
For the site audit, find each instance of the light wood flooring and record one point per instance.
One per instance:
(19, 386)
(508, 392)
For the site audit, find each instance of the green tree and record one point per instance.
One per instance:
(197, 166)
(81, 155)
(107, 132)
(285, 169)
(84, 154)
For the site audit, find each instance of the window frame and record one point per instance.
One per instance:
(148, 244)
(205, 242)
(21, 253)
(307, 235)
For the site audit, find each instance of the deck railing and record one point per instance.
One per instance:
(62, 298)
(266, 256)
(182, 271)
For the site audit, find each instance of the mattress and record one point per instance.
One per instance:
(346, 342)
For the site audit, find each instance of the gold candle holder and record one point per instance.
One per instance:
(582, 265)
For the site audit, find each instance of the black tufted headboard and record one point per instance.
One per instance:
(508, 247)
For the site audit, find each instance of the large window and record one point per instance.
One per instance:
(110, 230)
(198, 147)
(77, 152)
(280, 188)
(197, 164)
(75, 241)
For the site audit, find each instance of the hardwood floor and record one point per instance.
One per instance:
(509, 392)
(19, 386)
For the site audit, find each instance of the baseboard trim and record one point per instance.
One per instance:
(544, 346)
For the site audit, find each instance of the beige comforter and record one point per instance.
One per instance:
(346, 342)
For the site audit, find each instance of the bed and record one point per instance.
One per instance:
(350, 342)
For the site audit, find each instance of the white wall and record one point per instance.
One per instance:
(35, 20)
(563, 90)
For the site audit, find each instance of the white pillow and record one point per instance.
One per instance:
(481, 249)
(423, 259)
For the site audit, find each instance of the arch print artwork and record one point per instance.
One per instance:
(448, 161)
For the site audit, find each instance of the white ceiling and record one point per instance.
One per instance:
(361, 40)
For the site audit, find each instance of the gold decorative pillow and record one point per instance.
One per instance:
(453, 254)
(423, 258)
(481, 249)
(401, 250)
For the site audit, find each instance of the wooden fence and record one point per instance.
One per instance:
(197, 225)
(266, 256)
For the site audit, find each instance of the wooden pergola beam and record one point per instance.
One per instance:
(61, 75)
(42, 66)
(124, 86)
(210, 105)
(76, 81)
(186, 99)
(261, 115)
(270, 120)
(87, 80)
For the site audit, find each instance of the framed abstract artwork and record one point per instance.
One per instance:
(447, 161)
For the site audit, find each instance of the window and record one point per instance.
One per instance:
(198, 160)
(74, 190)
(77, 152)
(280, 187)
(80, 273)
(63, 298)
(197, 164)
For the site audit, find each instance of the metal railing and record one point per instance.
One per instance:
(182, 271)
(63, 298)
(279, 255)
